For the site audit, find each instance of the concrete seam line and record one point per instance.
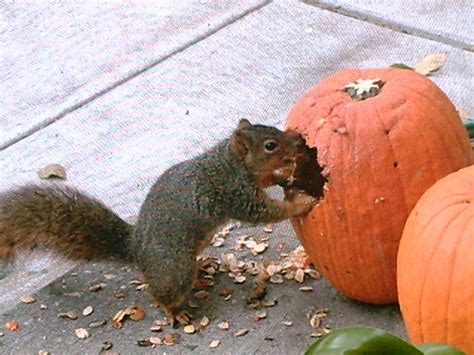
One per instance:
(132, 75)
(392, 25)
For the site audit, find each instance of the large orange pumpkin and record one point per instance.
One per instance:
(383, 136)
(436, 264)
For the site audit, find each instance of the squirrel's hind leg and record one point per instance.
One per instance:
(169, 288)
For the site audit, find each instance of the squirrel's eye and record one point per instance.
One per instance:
(270, 146)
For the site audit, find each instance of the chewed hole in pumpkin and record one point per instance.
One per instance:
(395, 164)
(308, 175)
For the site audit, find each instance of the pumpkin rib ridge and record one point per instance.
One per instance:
(425, 276)
(343, 163)
(442, 210)
(425, 141)
(441, 108)
(438, 107)
(363, 110)
(453, 269)
(398, 172)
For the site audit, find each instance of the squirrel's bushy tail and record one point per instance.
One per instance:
(63, 219)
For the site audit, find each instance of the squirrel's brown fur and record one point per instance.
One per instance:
(182, 209)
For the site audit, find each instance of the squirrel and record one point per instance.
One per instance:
(183, 208)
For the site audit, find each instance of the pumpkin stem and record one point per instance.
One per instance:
(362, 89)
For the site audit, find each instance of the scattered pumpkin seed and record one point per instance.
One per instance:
(27, 299)
(82, 333)
(70, 314)
(155, 328)
(87, 311)
(189, 329)
(201, 294)
(223, 325)
(241, 332)
(98, 323)
(155, 340)
(204, 321)
(214, 343)
(268, 228)
(169, 339)
(97, 287)
(106, 345)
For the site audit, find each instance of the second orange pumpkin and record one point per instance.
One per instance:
(383, 136)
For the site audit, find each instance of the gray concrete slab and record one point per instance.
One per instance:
(57, 56)
(448, 22)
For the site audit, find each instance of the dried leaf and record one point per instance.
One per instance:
(430, 64)
(52, 171)
(137, 314)
(82, 333)
(12, 326)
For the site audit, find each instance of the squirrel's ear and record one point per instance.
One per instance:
(243, 123)
(239, 143)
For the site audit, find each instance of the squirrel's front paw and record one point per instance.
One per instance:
(301, 202)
